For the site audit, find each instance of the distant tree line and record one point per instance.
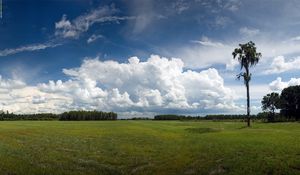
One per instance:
(88, 115)
(71, 115)
(44, 116)
(230, 117)
(207, 117)
(276, 117)
(169, 117)
(140, 118)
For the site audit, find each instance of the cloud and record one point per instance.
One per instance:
(156, 85)
(249, 32)
(279, 85)
(257, 91)
(180, 6)
(222, 21)
(73, 29)
(207, 52)
(6, 84)
(279, 65)
(274, 48)
(232, 5)
(39, 99)
(297, 38)
(93, 38)
(205, 41)
(149, 11)
(216, 5)
(28, 48)
(16, 96)
(213, 50)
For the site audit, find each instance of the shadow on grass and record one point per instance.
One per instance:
(202, 130)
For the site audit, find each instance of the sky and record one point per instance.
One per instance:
(144, 57)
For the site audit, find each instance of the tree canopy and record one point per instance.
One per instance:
(288, 102)
(270, 103)
(290, 98)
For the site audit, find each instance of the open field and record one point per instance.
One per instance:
(148, 147)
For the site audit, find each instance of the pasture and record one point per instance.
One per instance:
(148, 147)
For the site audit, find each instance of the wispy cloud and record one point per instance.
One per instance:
(206, 52)
(73, 29)
(216, 5)
(28, 48)
(232, 5)
(180, 5)
(249, 32)
(205, 41)
(222, 21)
(297, 38)
(93, 38)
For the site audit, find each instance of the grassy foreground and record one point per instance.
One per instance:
(148, 147)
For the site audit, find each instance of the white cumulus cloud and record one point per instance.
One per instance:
(11, 83)
(280, 64)
(278, 84)
(17, 97)
(158, 84)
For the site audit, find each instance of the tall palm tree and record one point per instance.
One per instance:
(247, 57)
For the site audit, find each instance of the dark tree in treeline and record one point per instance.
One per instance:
(290, 99)
(288, 102)
(270, 103)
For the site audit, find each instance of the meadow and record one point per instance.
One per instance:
(148, 147)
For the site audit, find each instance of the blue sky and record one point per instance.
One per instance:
(143, 57)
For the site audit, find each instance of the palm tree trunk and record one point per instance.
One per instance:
(248, 104)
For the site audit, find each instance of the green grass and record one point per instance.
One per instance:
(148, 147)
